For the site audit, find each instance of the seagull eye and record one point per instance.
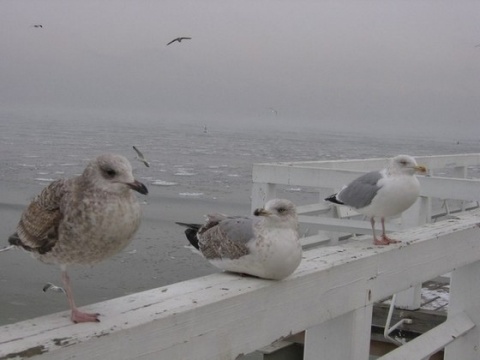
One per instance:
(109, 172)
(282, 210)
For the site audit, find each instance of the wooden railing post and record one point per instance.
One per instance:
(261, 193)
(465, 297)
(341, 338)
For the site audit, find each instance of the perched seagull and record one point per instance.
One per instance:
(82, 220)
(383, 193)
(179, 39)
(50, 286)
(140, 157)
(266, 245)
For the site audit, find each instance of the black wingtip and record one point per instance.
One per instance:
(191, 233)
(333, 199)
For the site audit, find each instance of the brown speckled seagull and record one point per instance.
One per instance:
(82, 220)
(265, 245)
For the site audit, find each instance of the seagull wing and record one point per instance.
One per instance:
(38, 226)
(361, 191)
(176, 39)
(139, 153)
(228, 238)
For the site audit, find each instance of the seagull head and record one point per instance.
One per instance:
(279, 211)
(113, 173)
(405, 164)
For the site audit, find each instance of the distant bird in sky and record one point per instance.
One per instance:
(82, 220)
(275, 112)
(38, 26)
(179, 39)
(383, 193)
(265, 245)
(141, 157)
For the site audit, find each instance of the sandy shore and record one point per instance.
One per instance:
(156, 257)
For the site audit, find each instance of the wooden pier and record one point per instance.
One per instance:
(330, 298)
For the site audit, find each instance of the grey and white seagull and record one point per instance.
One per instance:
(179, 39)
(82, 220)
(140, 157)
(383, 193)
(265, 245)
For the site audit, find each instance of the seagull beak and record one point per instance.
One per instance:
(261, 212)
(421, 169)
(139, 187)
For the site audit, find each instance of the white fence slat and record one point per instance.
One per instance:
(345, 337)
(465, 297)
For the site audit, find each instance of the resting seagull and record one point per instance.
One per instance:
(265, 245)
(82, 220)
(383, 193)
(179, 39)
(141, 157)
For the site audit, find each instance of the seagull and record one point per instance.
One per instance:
(50, 286)
(265, 245)
(383, 193)
(275, 112)
(179, 39)
(37, 26)
(140, 157)
(82, 220)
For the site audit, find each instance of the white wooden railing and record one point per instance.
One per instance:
(330, 297)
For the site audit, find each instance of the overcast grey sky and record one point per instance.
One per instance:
(381, 66)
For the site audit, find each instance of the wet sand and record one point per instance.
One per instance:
(156, 257)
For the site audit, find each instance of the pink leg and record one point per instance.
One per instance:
(77, 316)
(384, 235)
(377, 241)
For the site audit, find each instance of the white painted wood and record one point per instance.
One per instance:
(222, 315)
(465, 297)
(345, 337)
(261, 193)
(440, 187)
(410, 299)
(434, 340)
(345, 225)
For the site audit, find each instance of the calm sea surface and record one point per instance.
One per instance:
(192, 173)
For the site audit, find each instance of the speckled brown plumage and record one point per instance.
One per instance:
(82, 220)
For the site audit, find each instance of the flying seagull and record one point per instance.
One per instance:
(37, 26)
(265, 245)
(52, 287)
(179, 39)
(275, 112)
(383, 193)
(140, 157)
(82, 220)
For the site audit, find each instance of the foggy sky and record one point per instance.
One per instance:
(408, 67)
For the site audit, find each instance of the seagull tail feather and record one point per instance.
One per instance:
(191, 233)
(333, 199)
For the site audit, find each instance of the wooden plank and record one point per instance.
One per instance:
(222, 316)
(344, 225)
(432, 341)
(323, 342)
(440, 187)
(465, 297)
